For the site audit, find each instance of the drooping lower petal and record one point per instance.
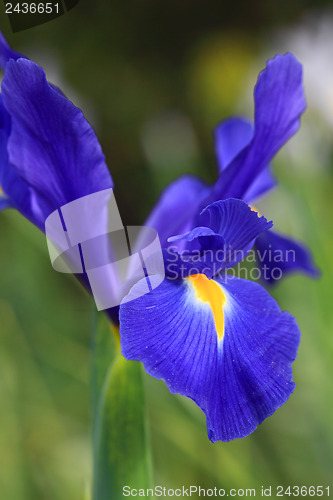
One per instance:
(278, 255)
(229, 348)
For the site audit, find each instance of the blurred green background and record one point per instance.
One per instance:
(154, 78)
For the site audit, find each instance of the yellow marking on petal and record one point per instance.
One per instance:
(209, 292)
(255, 210)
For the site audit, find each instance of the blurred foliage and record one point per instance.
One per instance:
(129, 66)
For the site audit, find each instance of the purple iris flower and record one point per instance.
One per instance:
(217, 339)
(243, 153)
(220, 340)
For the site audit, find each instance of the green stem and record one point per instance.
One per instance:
(121, 448)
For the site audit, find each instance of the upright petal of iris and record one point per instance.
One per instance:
(243, 153)
(279, 103)
(49, 154)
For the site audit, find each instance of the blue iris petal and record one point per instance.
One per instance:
(4, 203)
(279, 103)
(177, 206)
(10, 182)
(263, 183)
(4, 134)
(237, 381)
(6, 53)
(236, 222)
(230, 231)
(243, 153)
(277, 255)
(231, 137)
(52, 148)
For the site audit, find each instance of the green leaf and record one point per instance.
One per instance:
(121, 447)
(105, 347)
